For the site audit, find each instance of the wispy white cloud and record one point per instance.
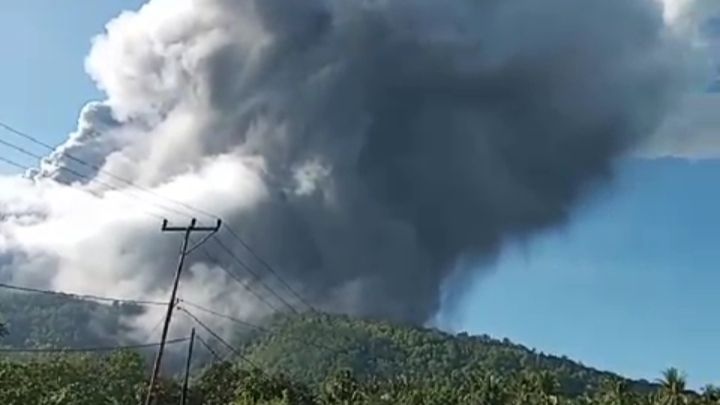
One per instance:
(691, 131)
(691, 128)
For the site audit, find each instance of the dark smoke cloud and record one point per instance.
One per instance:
(383, 140)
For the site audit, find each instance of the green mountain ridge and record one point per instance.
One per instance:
(309, 348)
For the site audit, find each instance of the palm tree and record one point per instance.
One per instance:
(342, 388)
(673, 386)
(548, 383)
(710, 394)
(616, 392)
(492, 391)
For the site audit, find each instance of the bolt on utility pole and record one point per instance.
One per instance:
(188, 361)
(187, 230)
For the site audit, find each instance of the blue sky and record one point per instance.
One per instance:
(42, 74)
(629, 284)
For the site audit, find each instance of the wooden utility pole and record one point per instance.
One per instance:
(184, 394)
(187, 230)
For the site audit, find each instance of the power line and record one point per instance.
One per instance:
(255, 276)
(258, 327)
(102, 171)
(208, 348)
(181, 307)
(237, 259)
(216, 336)
(199, 244)
(249, 324)
(40, 158)
(79, 175)
(238, 280)
(157, 325)
(91, 349)
(247, 268)
(151, 192)
(14, 164)
(85, 297)
(21, 149)
(219, 315)
(268, 267)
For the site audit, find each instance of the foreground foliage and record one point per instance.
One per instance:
(226, 384)
(121, 379)
(77, 380)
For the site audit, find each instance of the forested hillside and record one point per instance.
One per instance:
(308, 359)
(380, 349)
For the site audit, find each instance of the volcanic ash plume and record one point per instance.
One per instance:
(361, 147)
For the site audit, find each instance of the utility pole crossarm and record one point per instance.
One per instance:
(192, 227)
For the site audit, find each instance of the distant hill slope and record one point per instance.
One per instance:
(55, 320)
(309, 348)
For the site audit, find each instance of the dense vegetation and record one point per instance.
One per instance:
(121, 379)
(382, 350)
(312, 360)
(227, 384)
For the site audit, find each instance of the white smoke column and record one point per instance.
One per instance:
(363, 147)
